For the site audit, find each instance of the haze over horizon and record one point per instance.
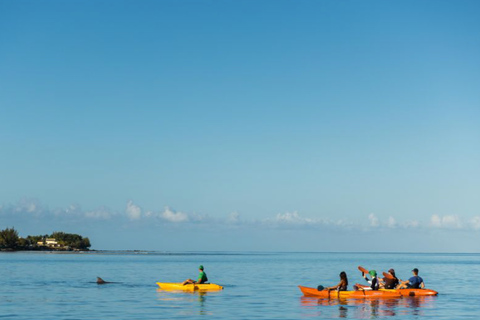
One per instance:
(252, 125)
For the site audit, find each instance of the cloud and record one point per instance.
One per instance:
(69, 211)
(27, 206)
(475, 223)
(411, 224)
(234, 218)
(133, 211)
(289, 220)
(391, 222)
(293, 218)
(445, 222)
(173, 216)
(101, 213)
(374, 222)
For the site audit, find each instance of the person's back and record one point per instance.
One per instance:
(391, 282)
(415, 282)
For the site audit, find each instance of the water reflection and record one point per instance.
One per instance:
(191, 303)
(368, 308)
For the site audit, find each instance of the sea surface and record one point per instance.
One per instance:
(39, 285)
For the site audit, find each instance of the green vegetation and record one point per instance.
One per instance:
(9, 240)
(71, 240)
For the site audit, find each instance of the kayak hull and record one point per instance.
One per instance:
(189, 287)
(415, 292)
(360, 294)
(407, 292)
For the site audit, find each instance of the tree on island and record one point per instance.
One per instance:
(9, 239)
(71, 240)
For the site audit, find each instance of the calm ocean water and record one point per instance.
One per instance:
(257, 285)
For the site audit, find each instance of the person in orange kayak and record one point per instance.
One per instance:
(342, 285)
(374, 283)
(414, 282)
(202, 277)
(390, 282)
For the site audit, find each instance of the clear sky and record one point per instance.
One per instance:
(243, 125)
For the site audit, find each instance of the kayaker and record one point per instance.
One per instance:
(374, 283)
(202, 277)
(390, 282)
(342, 285)
(414, 282)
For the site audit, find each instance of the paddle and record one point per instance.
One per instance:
(362, 269)
(388, 275)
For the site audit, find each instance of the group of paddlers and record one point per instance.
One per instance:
(389, 281)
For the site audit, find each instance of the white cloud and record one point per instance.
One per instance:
(288, 220)
(234, 217)
(71, 210)
(25, 205)
(293, 218)
(475, 223)
(391, 222)
(100, 213)
(373, 220)
(411, 224)
(133, 211)
(173, 216)
(447, 222)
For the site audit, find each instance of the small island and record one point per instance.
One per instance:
(57, 241)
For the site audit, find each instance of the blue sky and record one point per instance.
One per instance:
(253, 125)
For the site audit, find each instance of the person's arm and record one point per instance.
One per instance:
(335, 287)
(422, 285)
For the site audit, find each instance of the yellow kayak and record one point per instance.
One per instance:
(189, 287)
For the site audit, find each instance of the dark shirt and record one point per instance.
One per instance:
(342, 286)
(390, 283)
(373, 283)
(415, 282)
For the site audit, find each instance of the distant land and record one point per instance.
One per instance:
(57, 241)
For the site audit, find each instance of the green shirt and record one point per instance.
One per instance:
(202, 277)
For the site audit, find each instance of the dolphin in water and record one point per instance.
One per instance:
(101, 281)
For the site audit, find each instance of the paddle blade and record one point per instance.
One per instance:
(362, 269)
(388, 275)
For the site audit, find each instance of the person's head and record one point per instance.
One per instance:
(373, 273)
(415, 271)
(392, 272)
(200, 268)
(343, 275)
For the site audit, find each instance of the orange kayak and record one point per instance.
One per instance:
(414, 292)
(408, 292)
(360, 294)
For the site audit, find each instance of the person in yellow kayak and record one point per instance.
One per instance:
(202, 278)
